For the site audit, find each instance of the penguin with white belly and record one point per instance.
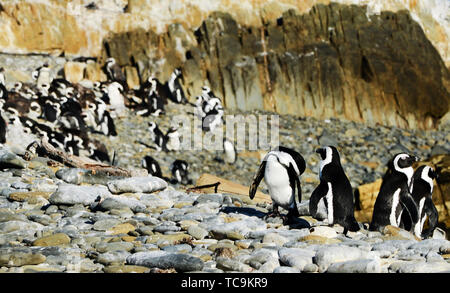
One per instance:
(421, 191)
(334, 192)
(394, 197)
(281, 169)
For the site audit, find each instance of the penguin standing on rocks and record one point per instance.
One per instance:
(421, 191)
(157, 136)
(97, 151)
(175, 88)
(180, 175)
(152, 166)
(114, 72)
(281, 169)
(394, 197)
(43, 76)
(334, 192)
(173, 139)
(116, 99)
(212, 119)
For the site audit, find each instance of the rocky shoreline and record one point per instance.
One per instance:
(53, 220)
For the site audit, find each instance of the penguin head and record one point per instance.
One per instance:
(151, 126)
(402, 161)
(205, 89)
(425, 173)
(110, 61)
(329, 154)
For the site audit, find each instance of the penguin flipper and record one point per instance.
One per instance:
(316, 196)
(294, 181)
(431, 211)
(257, 179)
(408, 203)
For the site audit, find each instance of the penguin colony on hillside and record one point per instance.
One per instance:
(404, 199)
(66, 113)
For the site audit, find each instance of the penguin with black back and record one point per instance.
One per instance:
(394, 197)
(334, 192)
(281, 169)
(176, 91)
(421, 191)
(180, 174)
(115, 73)
(3, 126)
(152, 166)
(157, 136)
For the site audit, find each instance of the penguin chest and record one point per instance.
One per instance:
(396, 209)
(423, 216)
(330, 205)
(277, 180)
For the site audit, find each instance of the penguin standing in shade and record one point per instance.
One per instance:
(157, 136)
(421, 191)
(152, 166)
(394, 197)
(114, 72)
(334, 192)
(175, 88)
(281, 169)
(180, 175)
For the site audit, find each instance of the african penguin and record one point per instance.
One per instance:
(421, 191)
(394, 196)
(152, 166)
(44, 77)
(175, 88)
(114, 72)
(334, 192)
(173, 139)
(116, 98)
(281, 169)
(200, 104)
(179, 170)
(213, 119)
(157, 136)
(97, 151)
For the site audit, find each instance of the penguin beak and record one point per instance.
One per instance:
(321, 152)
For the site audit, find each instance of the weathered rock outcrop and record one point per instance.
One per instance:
(334, 61)
(326, 60)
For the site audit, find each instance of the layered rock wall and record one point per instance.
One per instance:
(331, 62)
(359, 63)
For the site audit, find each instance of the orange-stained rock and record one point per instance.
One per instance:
(74, 71)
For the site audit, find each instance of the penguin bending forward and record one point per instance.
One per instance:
(334, 192)
(281, 169)
(394, 196)
(421, 192)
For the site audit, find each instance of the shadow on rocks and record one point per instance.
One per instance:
(244, 210)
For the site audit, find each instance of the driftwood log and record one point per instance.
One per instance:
(45, 148)
(208, 183)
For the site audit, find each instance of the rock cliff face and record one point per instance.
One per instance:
(331, 62)
(353, 62)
